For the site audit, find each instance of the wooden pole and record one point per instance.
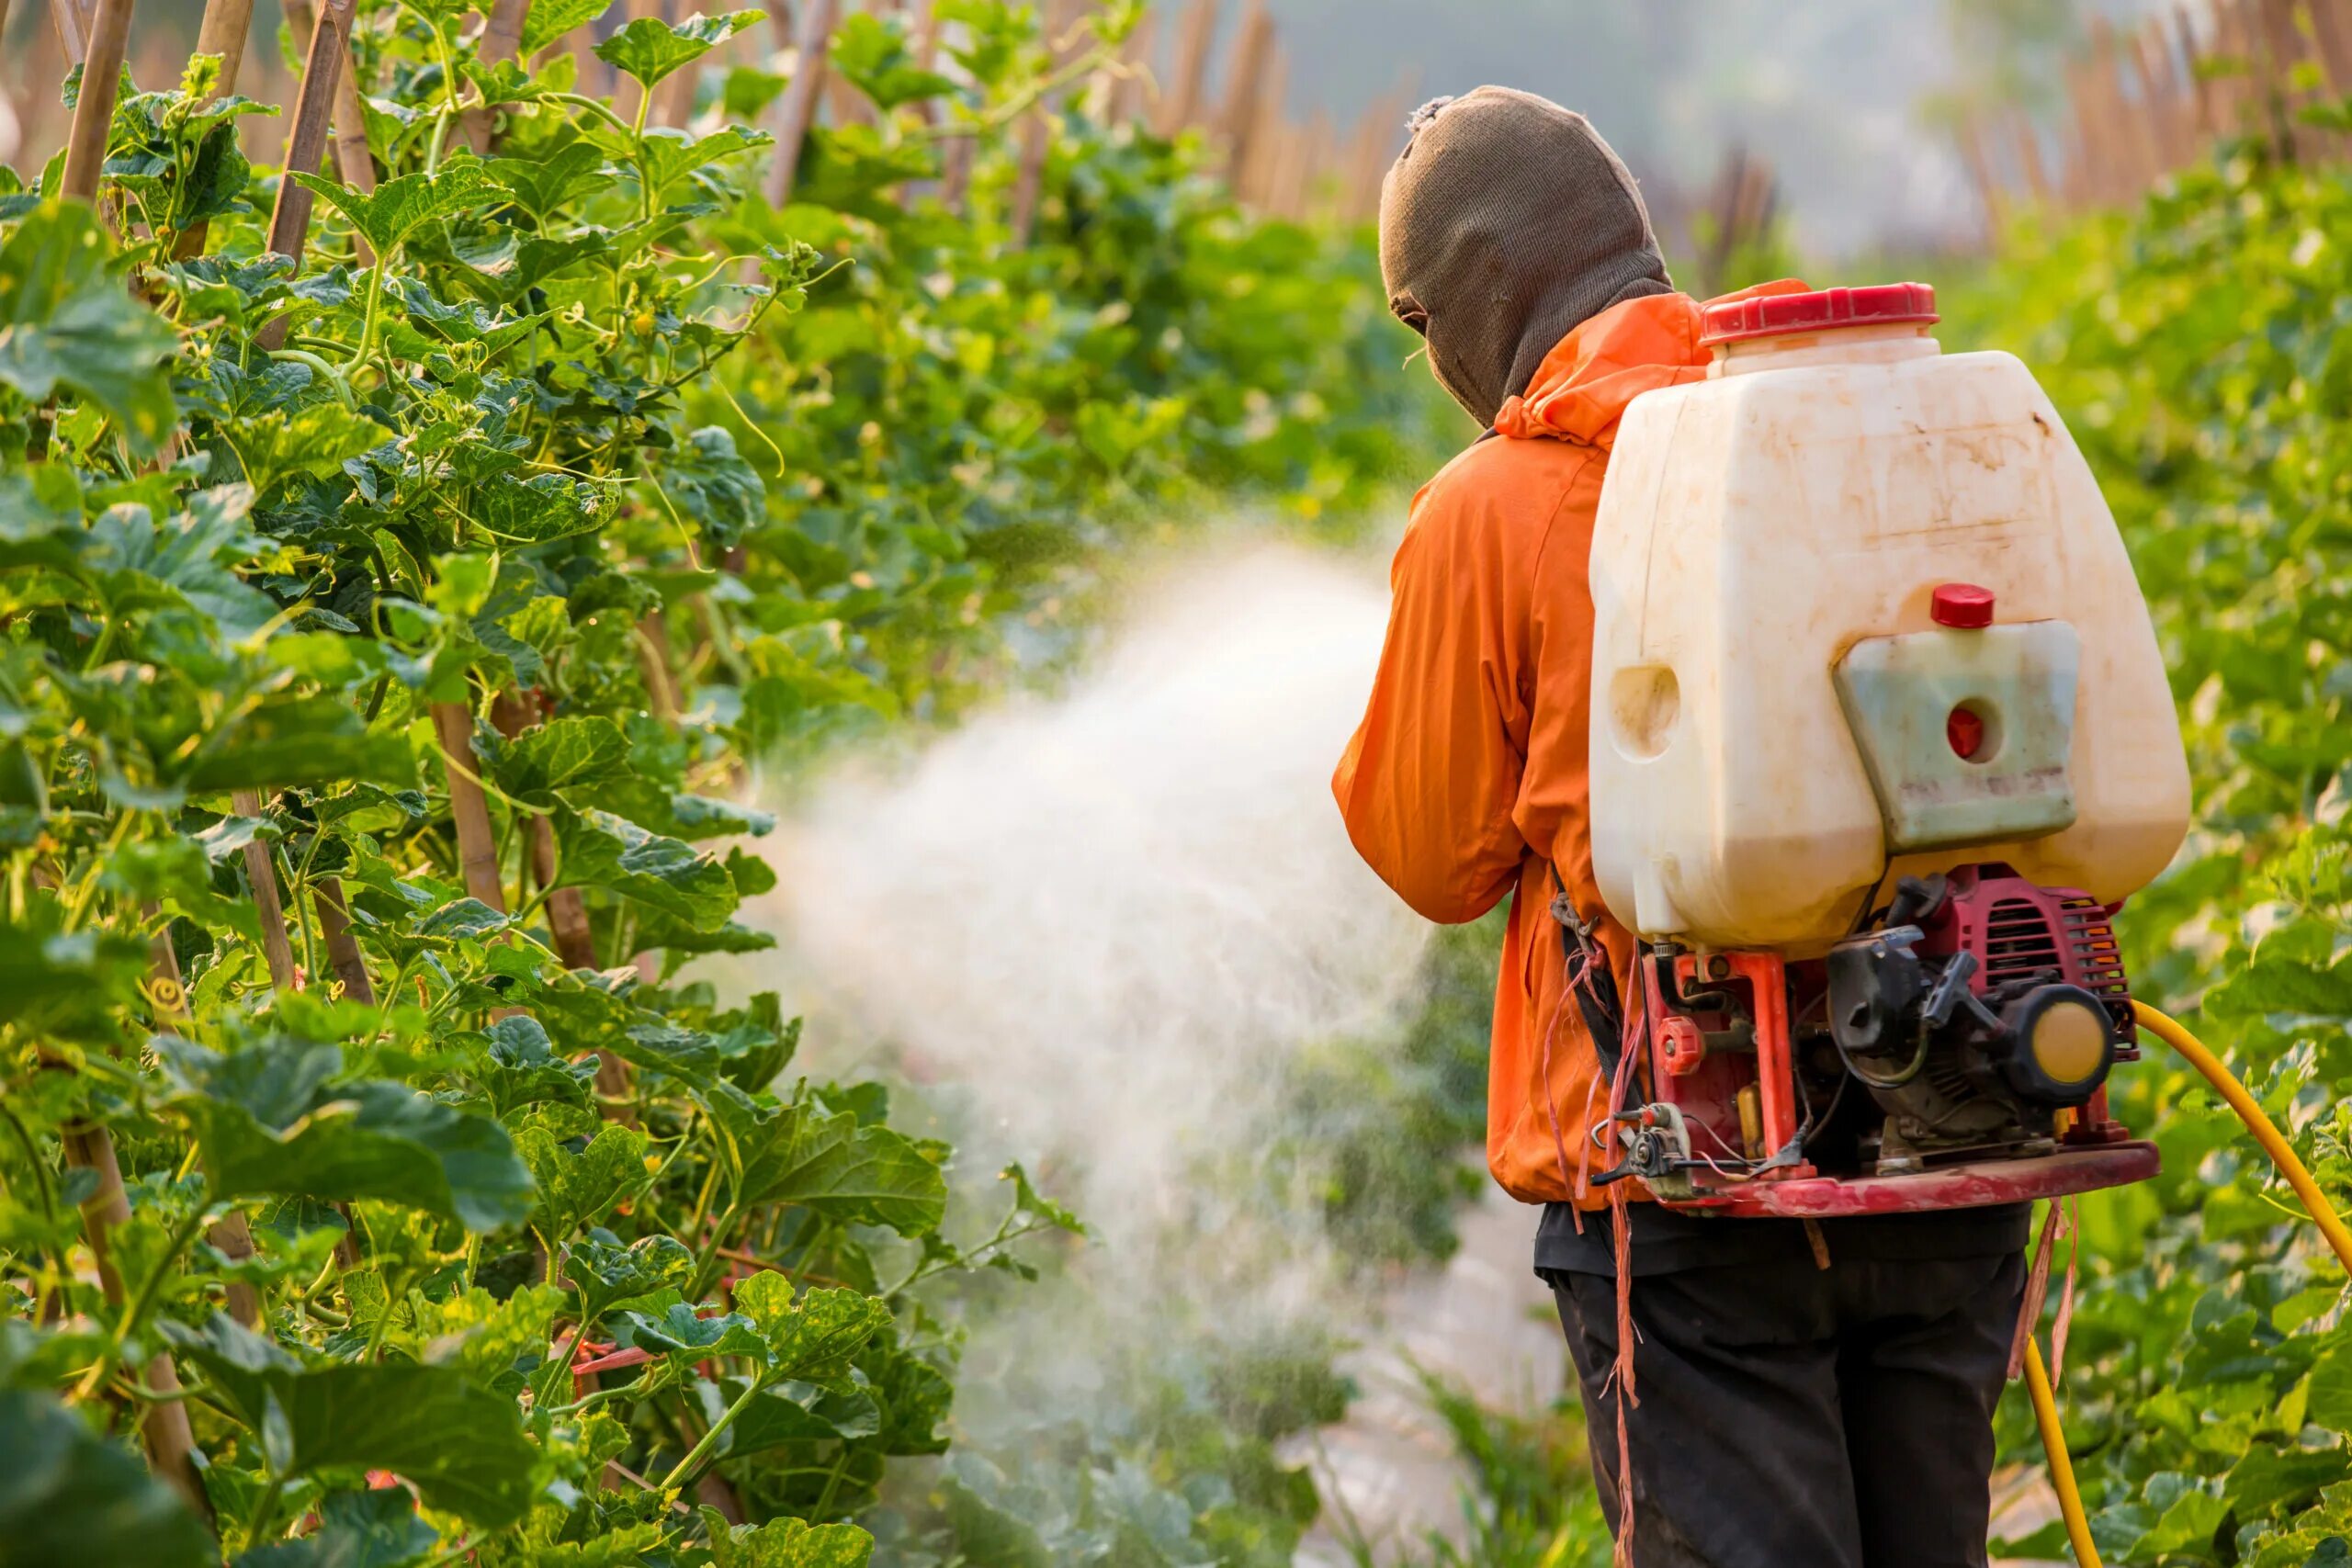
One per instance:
(567, 911)
(164, 1432)
(260, 874)
(1246, 84)
(797, 109)
(1036, 131)
(222, 32)
(290, 220)
(74, 20)
(2332, 31)
(85, 146)
(1179, 106)
(501, 38)
(2206, 117)
(453, 724)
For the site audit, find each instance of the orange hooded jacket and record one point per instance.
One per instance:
(1467, 778)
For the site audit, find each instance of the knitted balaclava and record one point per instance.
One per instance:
(1505, 222)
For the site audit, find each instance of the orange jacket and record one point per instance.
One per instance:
(1467, 777)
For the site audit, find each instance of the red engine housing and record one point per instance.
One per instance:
(1741, 1111)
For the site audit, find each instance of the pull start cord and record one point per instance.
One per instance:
(2282, 1154)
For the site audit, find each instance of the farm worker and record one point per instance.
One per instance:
(1818, 1396)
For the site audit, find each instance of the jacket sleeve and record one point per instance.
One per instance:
(1428, 784)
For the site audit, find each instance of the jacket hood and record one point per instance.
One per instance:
(1583, 386)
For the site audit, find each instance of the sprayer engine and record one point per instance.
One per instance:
(1979, 1010)
(1953, 1052)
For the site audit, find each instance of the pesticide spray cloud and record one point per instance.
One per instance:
(1107, 916)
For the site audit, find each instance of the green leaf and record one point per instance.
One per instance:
(66, 321)
(679, 1332)
(543, 185)
(356, 1530)
(562, 754)
(406, 203)
(713, 485)
(825, 1161)
(579, 1190)
(69, 1496)
(815, 1339)
(786, 1543)
(382, 1415)
(293, 740)
(599, 849)
(270, 1122)
(607, 1276)
(519, 1068)
(649, 49)
(552, 19)
(2330, 1404)
(786, 1412)
(669, 153)
(872, 55)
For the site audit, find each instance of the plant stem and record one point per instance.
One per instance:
(701, 1450)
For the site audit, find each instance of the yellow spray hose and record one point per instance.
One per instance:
(2282, 1154)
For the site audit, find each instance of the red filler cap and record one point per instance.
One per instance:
(1777, 315)
(1961, 604)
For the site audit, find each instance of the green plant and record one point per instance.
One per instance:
(387, 636)
(2197, 351)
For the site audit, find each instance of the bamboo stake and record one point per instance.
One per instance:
(168, 994)
(501, 39)
(73, 20)
(85, 147)
(2207, 120)
(1182, 105)
(2332, 31)
(222, 32)
(1245, 86)
(355, 163)
(453, 724)
(1132, 89)
(797, 109)
(260, 874)
(165, 1431)
(567, 911)
(1036, 129)
(290, 220)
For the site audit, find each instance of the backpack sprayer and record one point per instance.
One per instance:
(1881, 741)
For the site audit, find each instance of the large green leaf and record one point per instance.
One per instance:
(649, 49)
(65, 321)
(786, 1543)
(825, 1161)
(812, 1339)
(600, 849)
(580, 1189)
(550, 19)
(69, 1496)
(562, 754)
(402, 205)
(270, 1121)
(380, 1415)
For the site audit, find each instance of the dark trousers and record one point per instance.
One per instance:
(1795, 1415)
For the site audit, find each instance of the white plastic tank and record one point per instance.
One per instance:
(1862, 612)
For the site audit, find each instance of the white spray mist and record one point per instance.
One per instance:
(1100, 923)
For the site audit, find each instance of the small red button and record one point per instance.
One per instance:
(1961, 604)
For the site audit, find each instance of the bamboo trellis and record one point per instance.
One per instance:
(2149, 101)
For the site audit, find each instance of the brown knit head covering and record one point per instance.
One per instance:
(1505, 223)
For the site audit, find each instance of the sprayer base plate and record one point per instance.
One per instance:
(1975, 1186)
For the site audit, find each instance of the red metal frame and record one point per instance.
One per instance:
(1954, 1187)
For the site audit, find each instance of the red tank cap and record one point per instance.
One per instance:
(1961, 604)
(1777, 315)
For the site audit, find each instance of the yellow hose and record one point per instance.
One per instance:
(2273, 1142)
(2282, 1154)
